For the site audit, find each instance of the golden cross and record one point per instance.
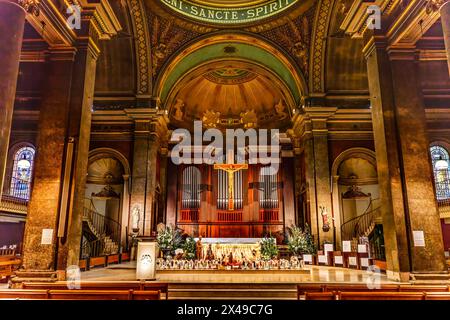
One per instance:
(231, 168)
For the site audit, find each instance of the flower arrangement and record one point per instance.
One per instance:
(189, 248)
(296, 240)
(269, 248)
(169, 239)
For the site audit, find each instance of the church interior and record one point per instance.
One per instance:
(109, 109)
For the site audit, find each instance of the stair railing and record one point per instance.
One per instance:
(353, 228)
(102, 227)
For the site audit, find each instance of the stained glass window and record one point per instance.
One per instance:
(441, 167)
(22, 173)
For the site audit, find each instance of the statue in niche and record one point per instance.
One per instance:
(280, 108)
(178, 110)
(249, 119)
(135, 218)
(211, 119)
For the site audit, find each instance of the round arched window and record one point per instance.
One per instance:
(441, 167)
(22, 173)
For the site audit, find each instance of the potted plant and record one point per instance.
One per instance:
(296, 240)
(310, 249)
(189, 248)
(269, 248)
(169, 239)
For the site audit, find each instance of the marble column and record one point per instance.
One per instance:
(139, 171)
(52, 141)
(337, 212)
(445, 20)
(12, 21)
(145, 166)
(125, 221)
(418, 179)
(403, 161)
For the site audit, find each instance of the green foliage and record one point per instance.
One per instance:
(269, 248)
(169, 239)
(310, 245)
(189, 248)
(296, 240)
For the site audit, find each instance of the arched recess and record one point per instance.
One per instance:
(110, 157)
(230, 47)
(347, 182)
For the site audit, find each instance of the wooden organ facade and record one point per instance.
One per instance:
(202, 201)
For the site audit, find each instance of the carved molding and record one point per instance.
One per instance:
(318, 46)
(141, 32)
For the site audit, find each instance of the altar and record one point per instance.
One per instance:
(236, 249)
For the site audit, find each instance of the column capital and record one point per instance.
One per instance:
(435, 5)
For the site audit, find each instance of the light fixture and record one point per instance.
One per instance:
(441, 164)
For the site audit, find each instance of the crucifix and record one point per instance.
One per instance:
(231, 168)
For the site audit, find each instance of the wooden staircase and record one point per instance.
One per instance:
(103, 233)
(232, 291)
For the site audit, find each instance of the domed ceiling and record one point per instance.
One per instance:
(230, 96)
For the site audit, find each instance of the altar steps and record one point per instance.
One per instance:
(194, 291)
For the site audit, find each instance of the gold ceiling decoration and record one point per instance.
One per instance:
(230, 76)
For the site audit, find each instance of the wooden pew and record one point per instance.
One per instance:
(380, 295)
(90, 295)
(85, 286)
(437, 295)
(302, 289)
(359, 287)
(320, 296)
(146, 295)
(423, 288)
(19, 294)
(136, 286)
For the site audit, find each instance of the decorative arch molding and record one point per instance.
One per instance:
(101, 153)
(247, 47)
(142, 47)
(319, 47)
(442, 143)
(363, 153)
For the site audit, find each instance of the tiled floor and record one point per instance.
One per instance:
(126, 272)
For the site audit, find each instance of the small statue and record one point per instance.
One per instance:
(135, 217)
(209, 253)
(178, 107)
(199, 249)
(326, 223)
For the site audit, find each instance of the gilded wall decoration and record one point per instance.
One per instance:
(317, 83)
(166, 38)
(142, 46)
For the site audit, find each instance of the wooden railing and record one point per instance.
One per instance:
(105, 230)
(269, 215)
(359, 225)
(188, 215)
(229, 216)
(13, 204)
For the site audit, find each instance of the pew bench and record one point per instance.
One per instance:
(380, 295)
(136, 286)
(26, 294)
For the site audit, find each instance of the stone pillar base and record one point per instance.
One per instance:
(32, 276)
(398, 276)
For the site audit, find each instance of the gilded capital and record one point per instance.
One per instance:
(435, 5)
(30, 6)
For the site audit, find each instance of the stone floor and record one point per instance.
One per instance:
(316, 274)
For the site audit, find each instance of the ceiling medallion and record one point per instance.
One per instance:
(230, 76)
(229, 12)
